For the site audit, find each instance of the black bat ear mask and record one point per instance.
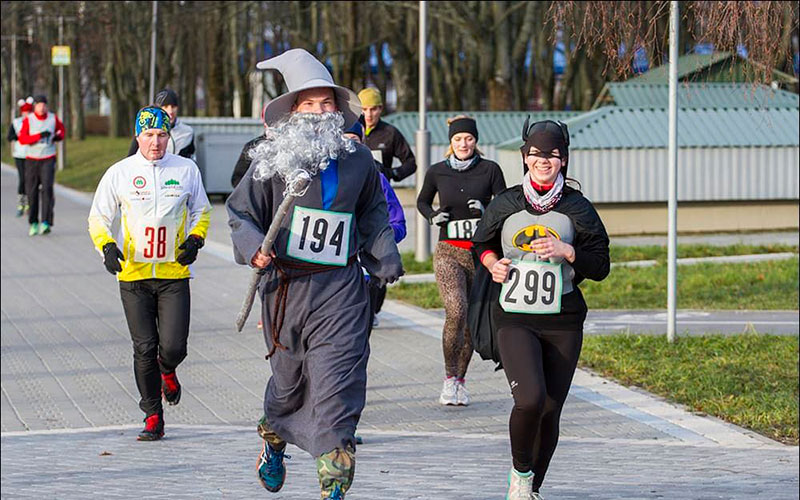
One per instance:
(546, 136)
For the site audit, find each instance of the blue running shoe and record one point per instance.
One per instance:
(336, 494)
(271, 470)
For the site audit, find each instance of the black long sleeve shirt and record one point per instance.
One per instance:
(480, 181)
(391, 143)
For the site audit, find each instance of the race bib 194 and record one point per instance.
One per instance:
(532, 288)
(320, 236)
(462, 229)
(154, 240)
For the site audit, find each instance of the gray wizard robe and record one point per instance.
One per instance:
(317, 391)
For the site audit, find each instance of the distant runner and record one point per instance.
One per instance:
(164, 216)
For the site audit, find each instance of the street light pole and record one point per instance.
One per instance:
(423, 139)
(60, 156)
(672, 203)
(13, 76)
(153, 53)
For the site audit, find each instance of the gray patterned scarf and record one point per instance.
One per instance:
(542, 202)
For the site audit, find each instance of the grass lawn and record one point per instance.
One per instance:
(630, 254)
(749, 380)
(86, 160)
(757, 285)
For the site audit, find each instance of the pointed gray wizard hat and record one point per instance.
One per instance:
(303, 71)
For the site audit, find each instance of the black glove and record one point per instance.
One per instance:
(43, 135)
(111, 257)
(190, 247)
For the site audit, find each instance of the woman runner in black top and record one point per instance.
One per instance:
(540, 239)
(466, 183)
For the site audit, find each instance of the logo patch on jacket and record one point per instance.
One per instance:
(139, 182)
(525, 236)
(172, 184)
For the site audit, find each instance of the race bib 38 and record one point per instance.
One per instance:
(154, 239)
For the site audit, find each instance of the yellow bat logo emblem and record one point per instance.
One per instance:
(525, 236)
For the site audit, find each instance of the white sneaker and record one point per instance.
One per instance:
(449, 392)
(462, 395)
(520, 487)
(536, 496)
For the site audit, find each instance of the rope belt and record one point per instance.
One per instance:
(287, 271)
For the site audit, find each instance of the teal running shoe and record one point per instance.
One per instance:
(335, 494)
(34, 229)
(520, 485)
(44, 228)
(271, 469)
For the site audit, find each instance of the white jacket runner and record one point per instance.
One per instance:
(159, 204)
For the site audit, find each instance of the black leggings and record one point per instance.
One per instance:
(539, 365)
(157, 311)
(20, 176)
(40, 173)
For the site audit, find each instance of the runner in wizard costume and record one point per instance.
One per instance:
(315, 304)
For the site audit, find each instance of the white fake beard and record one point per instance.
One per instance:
(301, 141)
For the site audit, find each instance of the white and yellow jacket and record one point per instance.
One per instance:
(159, 205)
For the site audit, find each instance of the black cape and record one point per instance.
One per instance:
(591, 257)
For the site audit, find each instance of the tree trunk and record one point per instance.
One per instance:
(77, 128)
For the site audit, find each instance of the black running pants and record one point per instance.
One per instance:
(539, 365)
(40, 173)
(157, 311)
(20, 162)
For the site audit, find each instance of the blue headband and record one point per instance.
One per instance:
(152, 117)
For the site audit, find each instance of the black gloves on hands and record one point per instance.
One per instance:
(44, 135)
(190, 247)
(111, 257)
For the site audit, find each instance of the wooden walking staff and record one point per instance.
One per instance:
(295, 188)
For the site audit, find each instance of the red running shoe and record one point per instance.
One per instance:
(170, 388)
(153, 428)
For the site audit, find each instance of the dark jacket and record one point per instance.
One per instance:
(243, 163)
(391, 143)
(480, 181)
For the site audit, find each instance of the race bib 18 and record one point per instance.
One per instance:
(462, 229)
(320, 236)
(532, 288)
(154, 240)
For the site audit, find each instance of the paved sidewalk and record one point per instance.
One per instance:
(70, 415)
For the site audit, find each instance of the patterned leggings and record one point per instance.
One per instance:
(454, 270)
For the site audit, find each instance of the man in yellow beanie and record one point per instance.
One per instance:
(383, 139)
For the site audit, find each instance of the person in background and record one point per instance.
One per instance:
(18, 151)
(244, 161)
(383, 139)
(465, 182)
(397, 219)
(181, 136)
(40, 130)
(164, 216)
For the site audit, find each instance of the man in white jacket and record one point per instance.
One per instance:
(164, 216)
